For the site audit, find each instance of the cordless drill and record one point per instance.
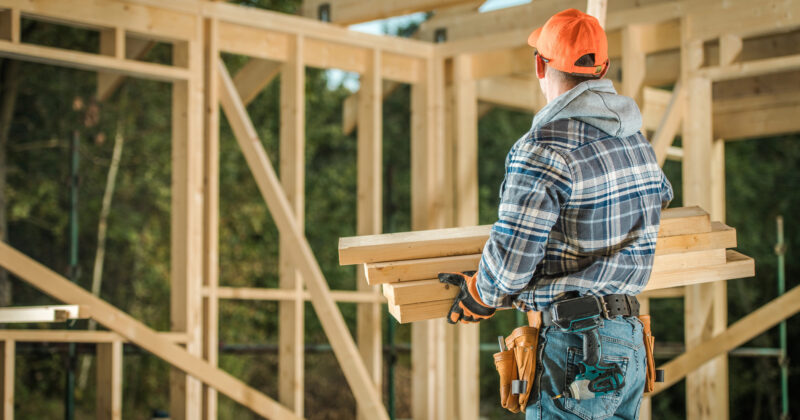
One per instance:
(584, 315)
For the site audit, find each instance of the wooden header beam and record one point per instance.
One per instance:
(347, 12)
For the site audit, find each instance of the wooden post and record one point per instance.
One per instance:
(597, 8)
(187, 220)
(427, 177)
(211, 215)
(465, 138)
(109, 380)
(7, 357)
(705, 305)
(292, 173)
(10, 25)
(633, 62)
(370, 209)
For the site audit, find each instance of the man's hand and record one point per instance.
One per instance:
(467, 306)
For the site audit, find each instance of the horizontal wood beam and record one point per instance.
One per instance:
(436, 295)
(751, 68)
(310, 29)
(347, 12)
(470, 240)
(509, 27)
(678, 251)
(77, 336)
(407, 289)
(737, 334)
(50, 313)
(123, 324)
(522, 94)
(254, 293)
(92, 62)
(160, 23)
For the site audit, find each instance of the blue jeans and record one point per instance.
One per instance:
(621, 342)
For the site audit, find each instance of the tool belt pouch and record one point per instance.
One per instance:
(649, 344)
(506, 366)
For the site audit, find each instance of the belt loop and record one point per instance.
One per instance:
(603, 306)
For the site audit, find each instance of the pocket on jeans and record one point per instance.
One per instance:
(600, 407)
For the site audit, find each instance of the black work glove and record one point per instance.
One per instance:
(467, 306)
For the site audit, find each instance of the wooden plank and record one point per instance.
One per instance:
(253, 42)
(369, 210)
(674, 292)
(685, 251)
(260, 293)
(348, 12)
(418, 291)
(751, 68)
(186, 214)
(420, 311)
(157, 22)
(51, 313)
(7, 373)
(123, 324)
(470, 240)
(737, 334)
(210, 311)
(291, 334)
(92, 62)
(413, 291)
(426, 268)
(330, 317)
(736, 266)
(293, 25)
(720, 237)
(109, 381)
(254, 77)
(65, 336)
(509, 27)
(518, 93)
(712, 19)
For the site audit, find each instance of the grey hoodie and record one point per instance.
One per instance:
(596, 103)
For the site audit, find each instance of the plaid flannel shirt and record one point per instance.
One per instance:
(580, 210)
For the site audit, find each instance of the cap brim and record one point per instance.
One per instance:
(534, 36)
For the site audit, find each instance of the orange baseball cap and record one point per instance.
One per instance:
(568, 36)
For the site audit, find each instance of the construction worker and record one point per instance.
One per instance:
(579, 212)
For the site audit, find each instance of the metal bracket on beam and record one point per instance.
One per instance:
(440, 35)
(324, 12)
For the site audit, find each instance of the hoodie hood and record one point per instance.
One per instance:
(596, 103)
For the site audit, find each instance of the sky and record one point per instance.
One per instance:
(391, 26)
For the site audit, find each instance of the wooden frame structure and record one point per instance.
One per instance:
(730, 82)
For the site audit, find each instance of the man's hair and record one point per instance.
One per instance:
(572, 79)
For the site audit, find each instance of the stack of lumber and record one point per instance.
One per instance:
(691, 249)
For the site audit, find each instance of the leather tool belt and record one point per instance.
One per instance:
(517, 364)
